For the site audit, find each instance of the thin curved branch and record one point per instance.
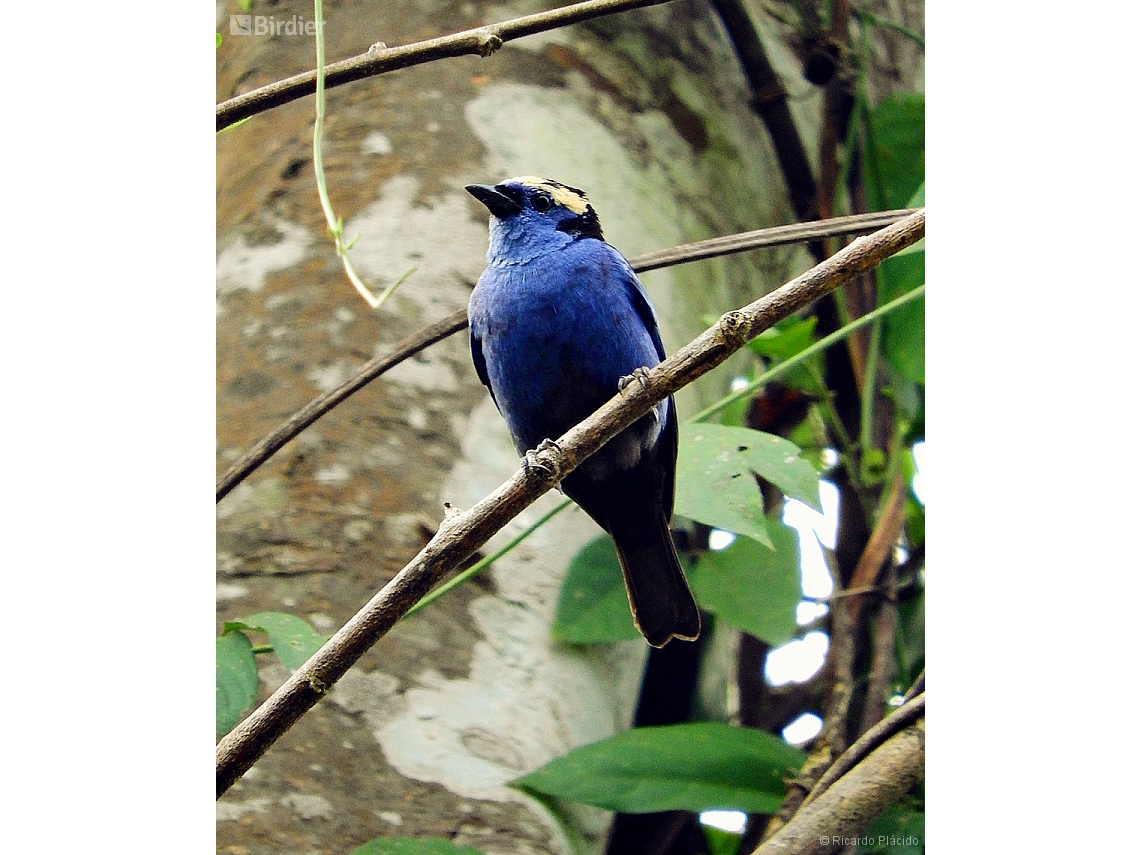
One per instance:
(481, 41)
(774, 236)
(270, 445)
(429, 335)
(918, 688)
(462, 532)
(879, 733)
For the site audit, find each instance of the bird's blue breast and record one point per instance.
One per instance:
(556, 333)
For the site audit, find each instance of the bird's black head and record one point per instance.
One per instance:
(540, 204)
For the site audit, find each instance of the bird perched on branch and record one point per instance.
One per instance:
(558, 321)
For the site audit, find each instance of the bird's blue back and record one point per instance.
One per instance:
(575, 321)
(558, 319)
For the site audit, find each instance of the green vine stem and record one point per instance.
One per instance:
(336, 225)
(821, 345)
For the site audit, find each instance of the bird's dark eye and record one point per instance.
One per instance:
(542, 203)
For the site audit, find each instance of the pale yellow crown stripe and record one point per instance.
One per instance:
(568, 199)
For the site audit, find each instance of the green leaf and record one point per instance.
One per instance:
(908, 401)
(904, 329)
(753, 588)
(592, 606)
(786, 339)
(696, 767)
(721, 842)
(896, 154)
(293, 640)
(782, 342)
(910, 638)
(235, 678)
(413, 846)
(896, 169)
(897, 831)
(715, 485)
(915, 515)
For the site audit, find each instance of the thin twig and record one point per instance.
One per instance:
(316, 408)
(418, 341)
(882, 651)
(378, 59)
(775, 236)
(462, 532)
(888, 527)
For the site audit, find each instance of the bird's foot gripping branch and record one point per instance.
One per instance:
(544, 462)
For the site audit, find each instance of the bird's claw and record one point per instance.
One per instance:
(640, 374)
(540, 462)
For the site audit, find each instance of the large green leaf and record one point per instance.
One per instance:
(753, 588)
(592, 606)
(715, 485)
(696, 767)
(896, 169)
(293, 640)
(413, 846)
(896, 151)
(235, 678)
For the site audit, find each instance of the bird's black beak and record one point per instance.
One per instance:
(497, 203)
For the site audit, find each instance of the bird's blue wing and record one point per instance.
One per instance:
(640, 300)
(670, 435)
(480, 363)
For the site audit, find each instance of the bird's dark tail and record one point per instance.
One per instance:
(659, 597)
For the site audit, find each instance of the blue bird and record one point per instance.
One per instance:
(559, 321)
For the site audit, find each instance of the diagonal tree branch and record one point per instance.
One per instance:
(874, 775)
(879, 733)
(429, 335)
(462, 532)
(481, 41)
